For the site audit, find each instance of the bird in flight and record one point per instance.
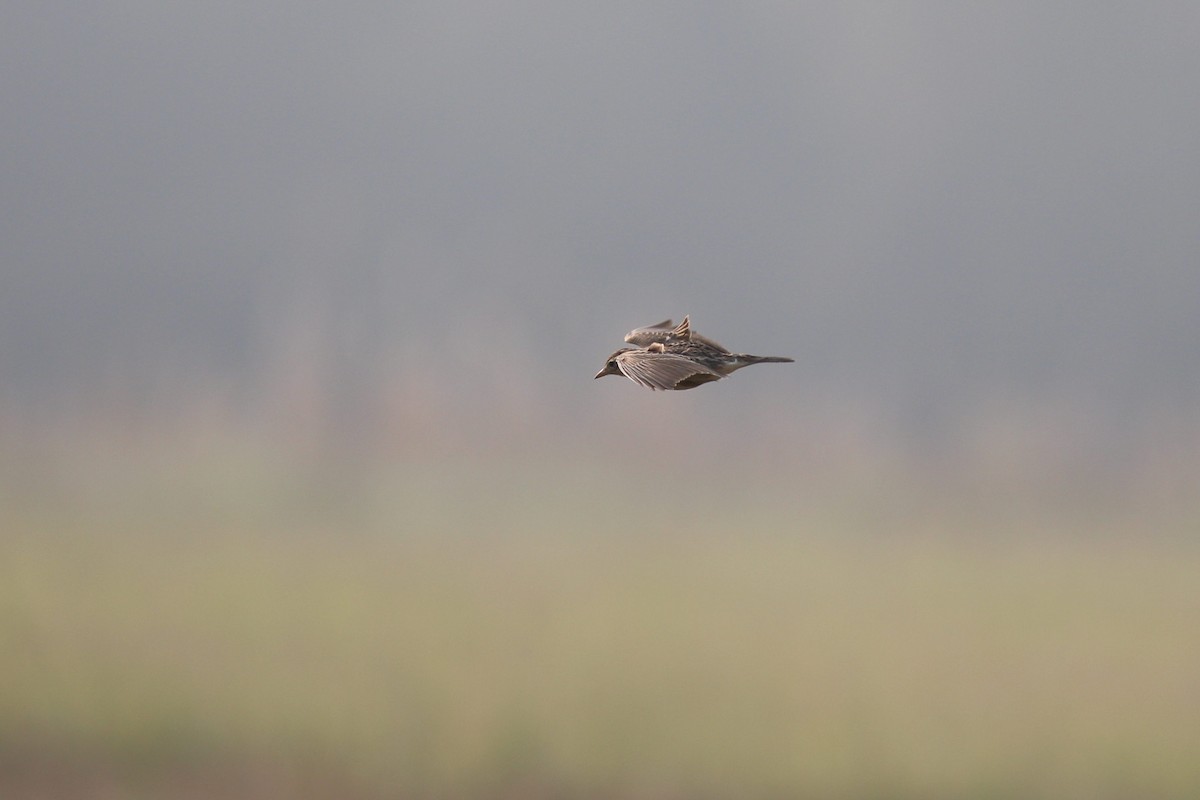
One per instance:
(676, 358)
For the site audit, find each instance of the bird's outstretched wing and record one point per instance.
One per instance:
(648, 334)
(657, 370)
(665, 331)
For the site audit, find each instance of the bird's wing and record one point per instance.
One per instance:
(684, 332)
(664, 331)
(648, 334)
(695, 337)
(661, 370)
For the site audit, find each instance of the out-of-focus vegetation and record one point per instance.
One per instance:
(225, 624)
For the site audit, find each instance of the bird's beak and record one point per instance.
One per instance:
(600, 374)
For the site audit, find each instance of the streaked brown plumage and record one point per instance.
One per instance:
(665, 331)
(656, 369)
(677, 358)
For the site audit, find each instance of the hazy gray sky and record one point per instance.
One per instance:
(925, 203)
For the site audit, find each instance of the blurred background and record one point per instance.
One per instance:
(308, 490)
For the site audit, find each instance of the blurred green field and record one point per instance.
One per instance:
(236, 629)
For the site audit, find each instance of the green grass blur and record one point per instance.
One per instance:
(230, 626)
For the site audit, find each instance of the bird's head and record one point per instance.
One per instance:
(610, 366)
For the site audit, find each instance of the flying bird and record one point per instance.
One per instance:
(676, 358)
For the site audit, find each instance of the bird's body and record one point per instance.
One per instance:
(676, 358)
(718, 360)
(656, 369)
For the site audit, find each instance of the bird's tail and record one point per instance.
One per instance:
(749, 359)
